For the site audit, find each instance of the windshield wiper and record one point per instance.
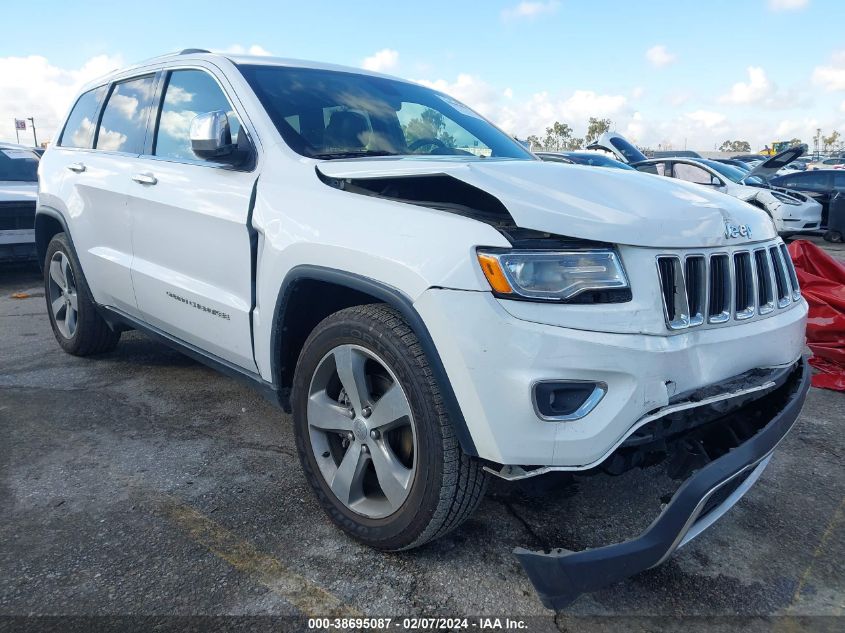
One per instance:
(358, 154)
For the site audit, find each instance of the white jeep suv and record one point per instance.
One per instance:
(433, 303)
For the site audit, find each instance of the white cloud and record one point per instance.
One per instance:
(508, 93)
(529, 10)
(706, 118)
(637, 92)
(756, 89)
(524, 117)
(832, 76)
(678, 98)
(255, 49)
(787, 5)
(33, 87)
(384, 60)
(659, 56)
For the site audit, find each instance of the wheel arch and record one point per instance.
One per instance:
(48, 223)
(310, 293)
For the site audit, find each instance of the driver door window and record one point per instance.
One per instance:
(693, 173)
(189, 93)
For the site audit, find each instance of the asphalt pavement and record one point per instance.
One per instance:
(140, 483)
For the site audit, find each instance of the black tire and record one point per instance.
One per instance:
(92, 335)
(447, 486)
(833, 236)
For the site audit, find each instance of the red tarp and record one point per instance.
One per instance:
(822, 280)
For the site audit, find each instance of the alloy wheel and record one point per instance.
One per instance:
(362, 431)
(63, 295)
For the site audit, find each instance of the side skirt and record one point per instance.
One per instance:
(118, 319)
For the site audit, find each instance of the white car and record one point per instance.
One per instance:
(792, 212)
(431, 315)
(18, 191)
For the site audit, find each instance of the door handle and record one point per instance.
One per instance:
(145, 179)
(77, 167)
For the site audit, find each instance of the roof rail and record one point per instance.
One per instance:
(189, 51)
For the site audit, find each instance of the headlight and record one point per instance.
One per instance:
(552, 275)
(784, 198)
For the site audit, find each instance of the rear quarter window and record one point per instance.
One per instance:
(80, 126)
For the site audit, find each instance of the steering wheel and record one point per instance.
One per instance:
(422, 142)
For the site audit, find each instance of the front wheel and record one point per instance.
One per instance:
(373, 435)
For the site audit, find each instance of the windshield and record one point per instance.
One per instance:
(732, 173)
(631, 153)
(331, 114)
(19, 165)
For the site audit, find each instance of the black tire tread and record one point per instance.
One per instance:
(464, 481)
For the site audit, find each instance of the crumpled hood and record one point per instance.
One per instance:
(593, 203)
(16, 191)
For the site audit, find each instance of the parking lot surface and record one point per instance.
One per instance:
(141, 482)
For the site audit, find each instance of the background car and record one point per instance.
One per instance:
(819, 184)
(792, 212)
(594, 159)
(736, 163)
(18, 191)
(828, 163)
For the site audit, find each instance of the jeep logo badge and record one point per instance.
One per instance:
(733, 231)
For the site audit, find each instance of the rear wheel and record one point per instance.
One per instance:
(833, 236)
(77, 326)
(373, 435)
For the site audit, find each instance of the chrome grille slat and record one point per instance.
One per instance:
(765, 294)
(731, 285)
(782, 287)
(744, 306)
(790, 268)
(721, 289)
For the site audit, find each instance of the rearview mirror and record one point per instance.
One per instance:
(211, 136)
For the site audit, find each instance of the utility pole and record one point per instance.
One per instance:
(34, 138)
(17, 134)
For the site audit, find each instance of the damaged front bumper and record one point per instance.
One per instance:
(560, 576)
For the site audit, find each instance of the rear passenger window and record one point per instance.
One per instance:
(692, 173)
(124, 119)
(189, 93)
(80, 126)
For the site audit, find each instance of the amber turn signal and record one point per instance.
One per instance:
(494, 273)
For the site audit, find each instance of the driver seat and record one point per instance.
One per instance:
(346, 131)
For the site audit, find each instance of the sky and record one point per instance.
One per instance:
(668, 73)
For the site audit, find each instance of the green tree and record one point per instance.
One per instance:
(534, 142)
(430, 124)
(559, 138)
(829, 142)
(595, 128)
(735, 146)
(795, 141)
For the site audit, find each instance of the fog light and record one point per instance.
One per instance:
(563, 401)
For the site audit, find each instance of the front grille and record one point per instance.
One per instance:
(17, 215)
(718, 288)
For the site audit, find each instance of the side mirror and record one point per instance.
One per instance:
(211, 136)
